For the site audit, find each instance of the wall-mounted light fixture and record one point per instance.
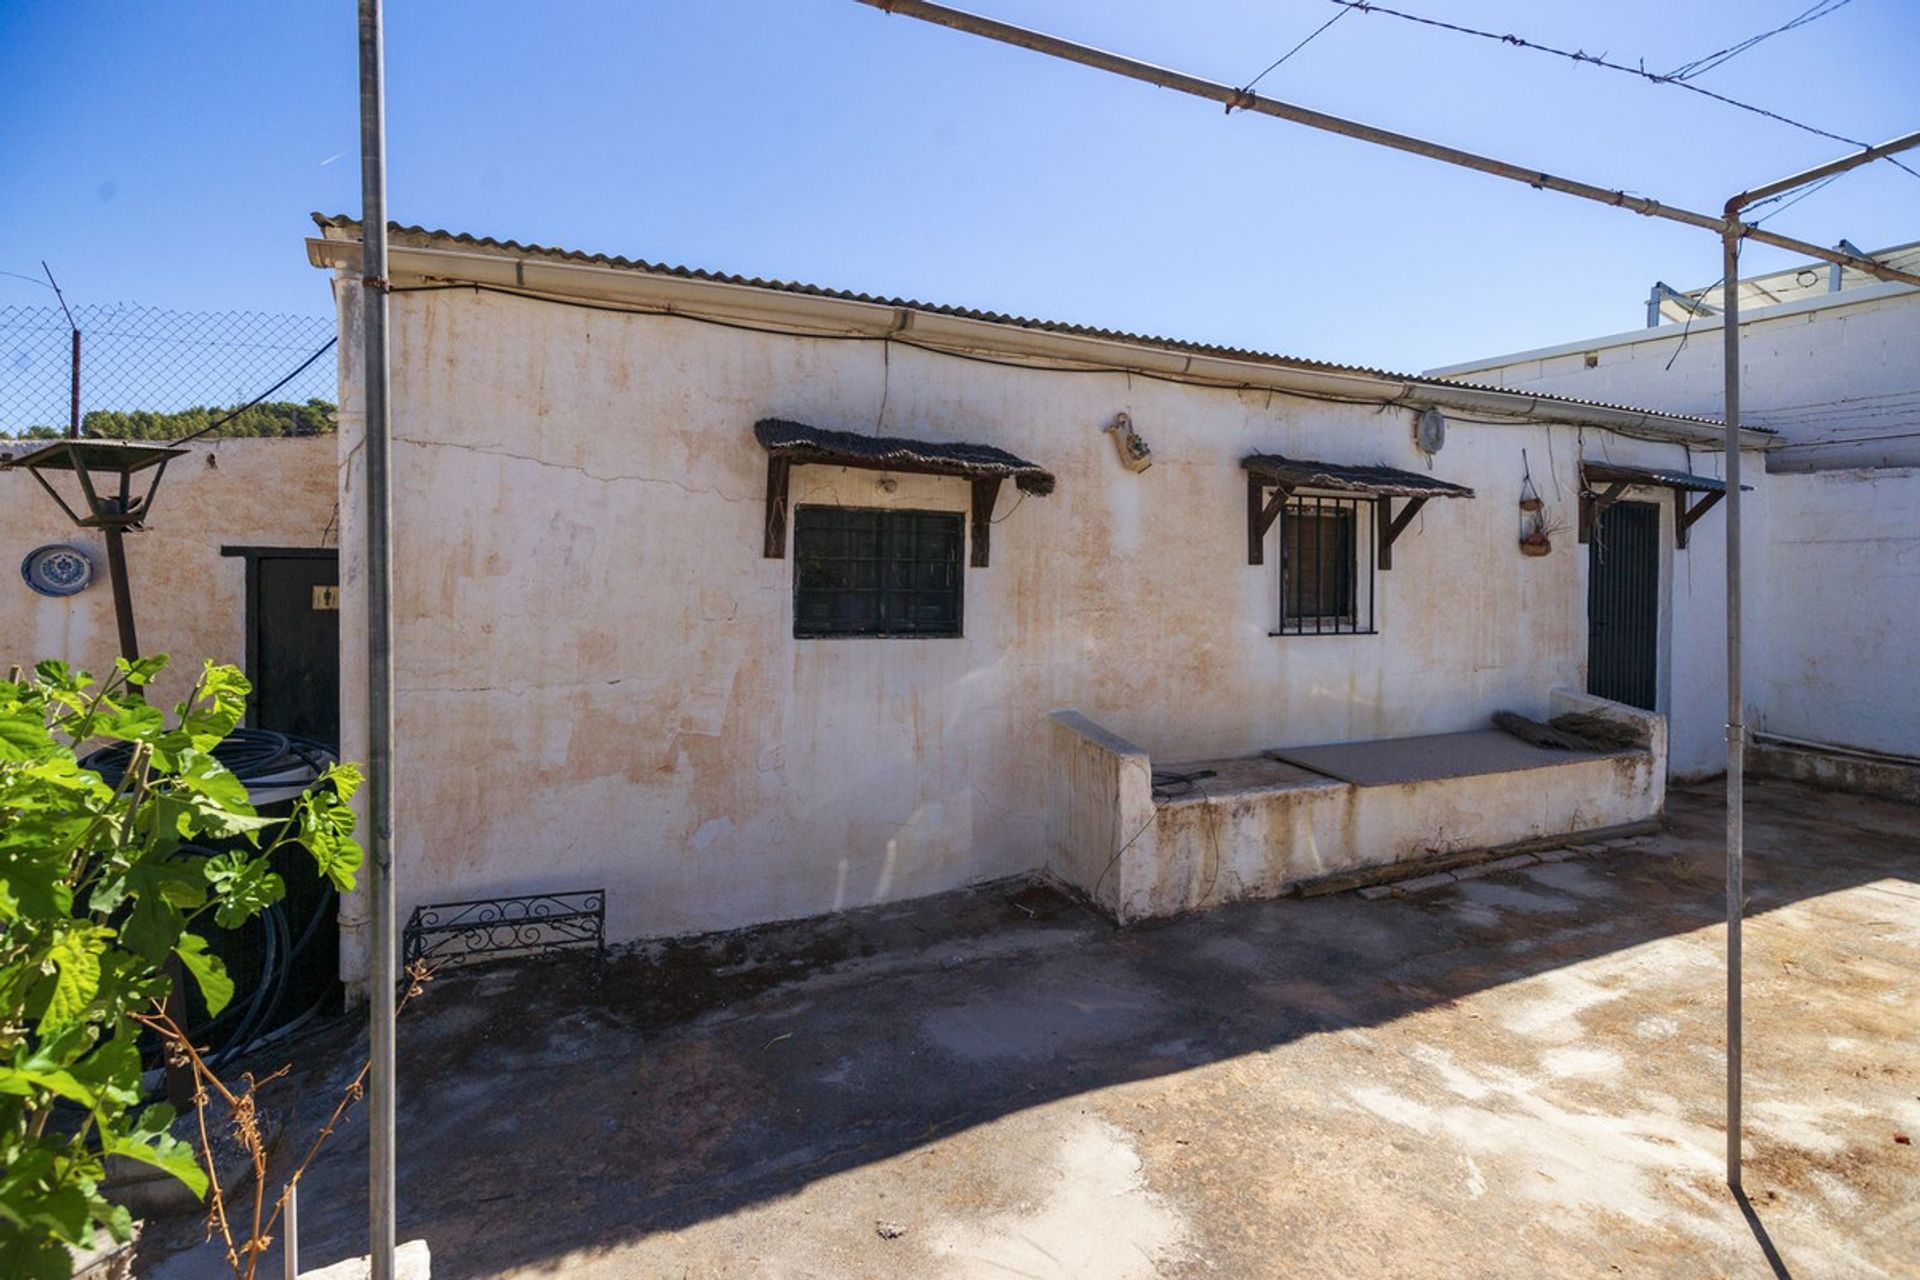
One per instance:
(106, 472)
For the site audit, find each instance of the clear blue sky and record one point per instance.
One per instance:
(169, 152)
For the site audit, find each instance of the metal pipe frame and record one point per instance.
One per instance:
(383, 976)
(1731, 231)
(1243, 100)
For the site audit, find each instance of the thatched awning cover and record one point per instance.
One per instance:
(1686, 481)
(1379, 482)
(799, 443)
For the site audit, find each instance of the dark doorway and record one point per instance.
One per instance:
(293, 640)
(1623, 605)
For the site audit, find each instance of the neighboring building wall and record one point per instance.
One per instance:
(1844, 364)
(189, 601)
(597, 678)
(1839, 580)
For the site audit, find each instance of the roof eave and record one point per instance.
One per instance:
(338, 248)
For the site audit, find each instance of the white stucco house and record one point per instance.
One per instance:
(1830, 364)
(748, 600)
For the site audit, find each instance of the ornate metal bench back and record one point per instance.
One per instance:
(448, 932)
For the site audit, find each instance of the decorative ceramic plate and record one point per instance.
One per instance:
(56, 570)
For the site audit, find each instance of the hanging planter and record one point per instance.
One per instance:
(1536, 538)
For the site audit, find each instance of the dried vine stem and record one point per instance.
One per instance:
(243, 1256)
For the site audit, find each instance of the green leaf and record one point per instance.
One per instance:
(141, 671)
(243, 887)
(33, 1256)
(23, 735)
(75, 958)
(150, 1142)
(22, 1083)
(216, 988)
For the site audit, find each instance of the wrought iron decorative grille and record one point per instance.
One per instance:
(447, 932)
(1326, 566)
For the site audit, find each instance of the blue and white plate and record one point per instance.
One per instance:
(56, 570)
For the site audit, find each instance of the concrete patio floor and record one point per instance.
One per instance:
(1518, 1075)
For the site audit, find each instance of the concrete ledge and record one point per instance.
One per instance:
(410, 1262)
(1398, 873)
(1837, 768)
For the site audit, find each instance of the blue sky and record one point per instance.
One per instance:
(169, 153)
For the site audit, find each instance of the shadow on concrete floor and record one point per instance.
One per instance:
(678, 1116)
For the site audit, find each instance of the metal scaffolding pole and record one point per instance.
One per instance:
(1243, 100)
(1730, 230)
(382, 971)
(1736, 717)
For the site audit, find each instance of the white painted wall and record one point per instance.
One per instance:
(1836, 366)
(597, 678)
(189, 600)
(1840, 607)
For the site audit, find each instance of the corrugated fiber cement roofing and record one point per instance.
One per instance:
(428, 237)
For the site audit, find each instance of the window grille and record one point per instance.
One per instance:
(860, 571)
(1326, 566)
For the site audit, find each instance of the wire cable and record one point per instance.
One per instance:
(1601, 60)
(1700, 66)
(325, 347)
(1248, 86)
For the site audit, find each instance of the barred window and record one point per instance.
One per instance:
(861, 571)
(1325, 588)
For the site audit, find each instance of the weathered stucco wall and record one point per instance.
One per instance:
(597, 677)
(1841, 365)
(1841, 601)
(189, 600)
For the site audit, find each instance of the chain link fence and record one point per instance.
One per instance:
(155, 374)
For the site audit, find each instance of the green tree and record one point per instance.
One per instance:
(102, 889)
(270, 418)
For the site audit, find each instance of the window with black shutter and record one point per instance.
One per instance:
(862, 571)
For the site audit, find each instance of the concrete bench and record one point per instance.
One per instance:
(1262, 825)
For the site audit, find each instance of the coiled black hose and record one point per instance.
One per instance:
(275, 767)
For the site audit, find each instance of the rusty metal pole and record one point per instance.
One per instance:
(1736, 698)
(73, 389)
(1236, 99)
(382, 973)
(122, 599)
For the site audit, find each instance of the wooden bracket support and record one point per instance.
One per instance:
(776, 542)
(1392, 526)
(986, 491)
(1593, 504)
(1262, 511)
(1684, 515)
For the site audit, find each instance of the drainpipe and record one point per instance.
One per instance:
(382, 980)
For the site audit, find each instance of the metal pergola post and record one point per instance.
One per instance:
(1727, 226)
(382, 981)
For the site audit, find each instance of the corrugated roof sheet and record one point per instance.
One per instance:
(1377, 481)
(1655, 476)
(427, 238)
(802, 443)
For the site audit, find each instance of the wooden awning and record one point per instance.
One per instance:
(1602, 483)
(1382, 484)
(791, 444)
(1379, 482)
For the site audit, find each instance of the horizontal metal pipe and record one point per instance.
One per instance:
(1243, 100)
(1893, 146)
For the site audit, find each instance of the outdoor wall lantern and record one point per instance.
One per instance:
(108, 473)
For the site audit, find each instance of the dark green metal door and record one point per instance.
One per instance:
(1623, 605)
